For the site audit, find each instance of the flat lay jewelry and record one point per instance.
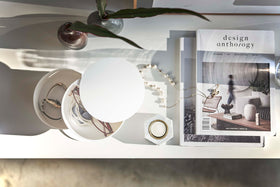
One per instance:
(213, 91)
(81, 114)
(153, 87)
(158, 129)
(51, 108)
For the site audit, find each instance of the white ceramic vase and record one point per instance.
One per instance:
(250, 112)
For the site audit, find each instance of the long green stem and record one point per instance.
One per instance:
(150, 12)
(101, 6)
(100, 31)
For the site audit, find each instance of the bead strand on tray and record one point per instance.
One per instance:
(155, 88)
(155, 67)
(162, 99)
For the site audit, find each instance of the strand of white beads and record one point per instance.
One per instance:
(155, 67)
(153, 87)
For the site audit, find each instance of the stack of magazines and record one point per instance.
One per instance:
(227, 88)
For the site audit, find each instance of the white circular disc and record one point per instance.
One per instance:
(112, 89)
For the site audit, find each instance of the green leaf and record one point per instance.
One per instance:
(150, 12)
(99, 31)
(101, 6)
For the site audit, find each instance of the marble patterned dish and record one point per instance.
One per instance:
(82, 125)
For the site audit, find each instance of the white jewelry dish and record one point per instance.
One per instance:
(158, 129)
(63, 77)
(82, 126)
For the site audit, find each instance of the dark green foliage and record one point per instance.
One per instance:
(150, 12)
(260, 86)
(126, 13)
(99, 31)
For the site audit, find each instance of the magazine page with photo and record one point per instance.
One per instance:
(188, 136)
(235, 82)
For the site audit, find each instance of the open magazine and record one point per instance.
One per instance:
(235, 91)
(188, 136)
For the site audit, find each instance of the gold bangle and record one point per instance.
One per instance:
(149, 129)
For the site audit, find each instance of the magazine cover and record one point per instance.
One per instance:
(234, 73)
(188, 136)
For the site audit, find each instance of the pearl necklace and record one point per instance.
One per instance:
(172, 83)
(153, 86)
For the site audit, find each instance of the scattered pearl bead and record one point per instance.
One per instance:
(148, 66)
(154, 87)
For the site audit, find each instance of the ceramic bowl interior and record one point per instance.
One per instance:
(81, 124)
(55, 83)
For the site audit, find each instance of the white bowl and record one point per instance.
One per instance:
(80, 128)
(65, 76)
